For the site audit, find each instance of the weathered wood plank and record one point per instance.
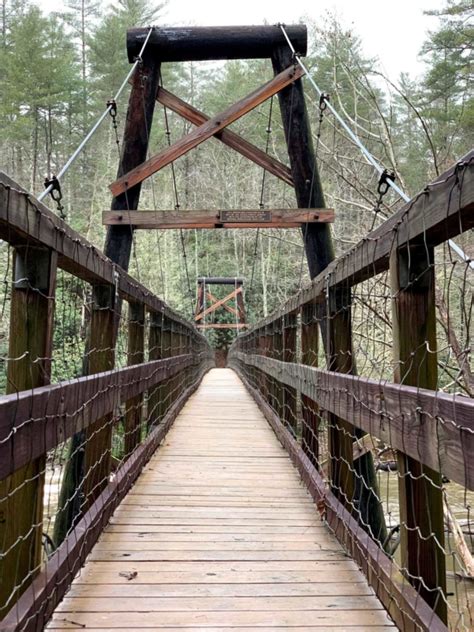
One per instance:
(420, 488)
(29, 366)
(206, 130)
(280, 218)
(229, 138)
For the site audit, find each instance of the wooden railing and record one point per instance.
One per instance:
(83, 417)
(321, 415)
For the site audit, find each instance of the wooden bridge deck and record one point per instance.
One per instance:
(219, 533)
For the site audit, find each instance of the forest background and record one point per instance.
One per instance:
(57, 72)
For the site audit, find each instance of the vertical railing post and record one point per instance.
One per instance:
(155, 352)
(309, 356)
(277, 354)
(340, 358)
(420, 488)
(29, 366)
(289, 402)
(101, 357)
(136, 355)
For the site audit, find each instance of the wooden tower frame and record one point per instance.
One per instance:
(204, 295)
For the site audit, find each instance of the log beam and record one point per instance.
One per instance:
(205, 131)
(199, 43)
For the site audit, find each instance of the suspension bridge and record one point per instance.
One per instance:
(143, 488)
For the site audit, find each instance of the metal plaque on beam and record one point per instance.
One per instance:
(245, 217)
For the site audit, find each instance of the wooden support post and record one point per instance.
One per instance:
(136, 355)
(420, 488)
(98, 436)
(319, 248)
(29, 366)
(309, 193)
(156, 351)
(136, 138)
(289, 411)
(240, 307)
(118, 245)
(309, 355)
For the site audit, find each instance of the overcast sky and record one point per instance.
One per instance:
(392, 31)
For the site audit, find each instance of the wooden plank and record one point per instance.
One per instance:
(211, 619)
(224, 604)
(198, 43)
(206, 130)
(433, 427)
(223, 326)
(198, 589)
(37, 603)
(229, 138)
(197, 219)
(99, 359)
(35, 421)
(219, 303)
(409, 611)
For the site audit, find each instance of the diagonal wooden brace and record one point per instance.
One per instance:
(231, 139)
(206, 130)
(227, 308)
(219, 303)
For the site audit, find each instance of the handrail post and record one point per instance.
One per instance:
(155, 352)
(309, 356)
(340, 358)
(29, 366)
(289, 399)
(136, 355)
(415, 359)
(101, 357)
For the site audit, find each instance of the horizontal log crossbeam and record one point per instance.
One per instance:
(229, 138)
(206, 130)
(267, 218)
(199, 43)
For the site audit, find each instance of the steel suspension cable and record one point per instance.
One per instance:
(377, 166)
(99, 121)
